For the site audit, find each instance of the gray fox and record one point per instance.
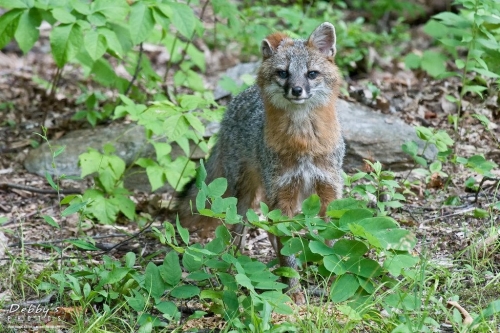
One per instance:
(280, 140)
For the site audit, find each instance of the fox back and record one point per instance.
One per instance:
(280, 140)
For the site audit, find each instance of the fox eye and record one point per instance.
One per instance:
(312, 74)
(282, 74)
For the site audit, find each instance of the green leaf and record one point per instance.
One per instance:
(311, 206)
(185, 291)
(364, 267)
(433, 63)
(171, 271)
(66, 41)
(396, 264)
(63, 16)
(127, 206)
(217, 187)
(117, 275)
(95, 44)
(352, 216)
(320, 248)
(292, 246)
(349, 248)
(141, 22)
(27, 29)
(412, 61)
(153, 283)
(8, 25)
(17, 3)
(410, 147)
(344, 288)
(334, 264)
(50, 221)
(492, 309)
(130, 259)
(115, 10)
(183, 232)
(73, 208)
(102, 208)
(112, 41)
(183, 18)
(51, 181)
(83, 245)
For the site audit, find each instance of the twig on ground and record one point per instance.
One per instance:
(40, 190)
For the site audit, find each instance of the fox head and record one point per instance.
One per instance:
(299, 74)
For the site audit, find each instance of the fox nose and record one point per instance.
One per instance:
(297, 91)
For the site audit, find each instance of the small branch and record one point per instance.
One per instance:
(136, 72)
(485, 178)
(40, 190)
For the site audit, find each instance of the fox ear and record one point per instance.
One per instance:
(271, 43)
(323, 39)
(266, 49)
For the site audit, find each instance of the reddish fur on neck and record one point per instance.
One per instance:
(317, 136)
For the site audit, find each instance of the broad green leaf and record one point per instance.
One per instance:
(8, 25)
(127, 206)
(334, 264)
(102, 208)
(433, 63)
(353, 216)
(292, 246)
(63, 16)
(115, 10)
(412, 61)
(344, 288)
(244, 281)
(171, 272)
(320, 248)
(130, 259)
(185, 291)
(27, 29)
(153, 283)
(141, 22)
(97, 19)
(66, 41)
(117, 274)
(183, 18)
(167, 308)
(367, 268)
(396, 264)
(349, 248)
(112, 41)
(17, 3)
(217, 187)
(95, 44)
(311, 206)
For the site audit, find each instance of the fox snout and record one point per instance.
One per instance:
(295, 92)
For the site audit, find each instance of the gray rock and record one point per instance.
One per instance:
(376, 137)
(368, 135)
